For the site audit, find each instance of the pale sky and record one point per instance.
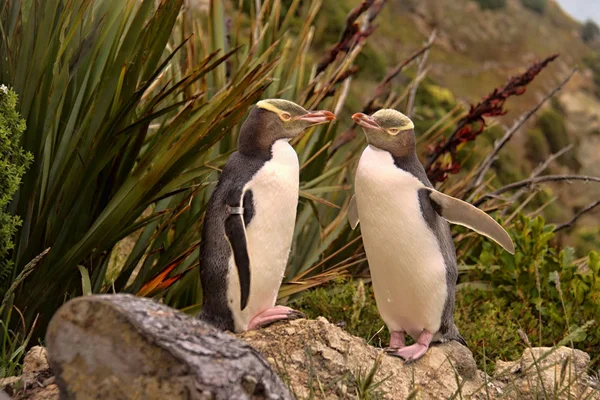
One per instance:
(582, 9)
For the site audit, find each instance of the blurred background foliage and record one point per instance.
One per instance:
(133, 107)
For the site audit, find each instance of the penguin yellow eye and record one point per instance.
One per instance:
(393, 131)
(285, 116)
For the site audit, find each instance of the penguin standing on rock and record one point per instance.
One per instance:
(406, 235)
(250, 218)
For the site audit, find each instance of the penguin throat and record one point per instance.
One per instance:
(396, 152)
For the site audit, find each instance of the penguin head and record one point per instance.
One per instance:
(287, 119)
(388, 130)
(274, 119)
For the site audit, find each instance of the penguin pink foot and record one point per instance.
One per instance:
(415, 351)
(396, 341)
(277, 313)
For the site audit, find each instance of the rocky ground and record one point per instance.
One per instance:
(314, 358)
(306, 352)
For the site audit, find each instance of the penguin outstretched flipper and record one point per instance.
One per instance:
(462, 213)
(235, 229)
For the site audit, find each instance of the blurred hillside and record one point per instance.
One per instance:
(478, 49)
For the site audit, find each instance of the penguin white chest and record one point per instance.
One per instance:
(406, 264)
(269, 234)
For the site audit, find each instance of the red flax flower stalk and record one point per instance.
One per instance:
(353, 35)
(473, 124)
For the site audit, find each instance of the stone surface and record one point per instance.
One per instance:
(37, 381)
(546, 373)
(319, 354)
(321, 360)
(10, 383)
(35, 363)
(127, 347)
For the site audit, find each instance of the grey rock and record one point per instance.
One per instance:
(126, 347)
(548, 372)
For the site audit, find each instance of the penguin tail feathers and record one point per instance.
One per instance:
(461, 340)
(453, 334)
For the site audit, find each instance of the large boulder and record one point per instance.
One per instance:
(126, 347)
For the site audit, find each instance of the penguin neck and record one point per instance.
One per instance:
(409, 162)
(253, 145)
(256, 139)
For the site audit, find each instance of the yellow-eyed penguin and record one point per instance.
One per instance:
(250, 218)
(406, 235)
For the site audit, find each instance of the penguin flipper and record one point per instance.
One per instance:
(353, 213)
(462, 213)
(235, 230)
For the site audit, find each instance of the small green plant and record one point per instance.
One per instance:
(491, 4)
(14, 161)
(539, 6)
(364, 382)
(14, 346)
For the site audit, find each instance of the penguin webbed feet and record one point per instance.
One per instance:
(413, 352)
(272, 315)
(396, 342)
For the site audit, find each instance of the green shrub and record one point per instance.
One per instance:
(590, 31)
(552, 124)
(536, 145)
(491, 4)
(539, 6)
(490, 330)
(534, 284)
(13, 163)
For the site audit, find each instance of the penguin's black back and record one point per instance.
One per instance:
(215, 250)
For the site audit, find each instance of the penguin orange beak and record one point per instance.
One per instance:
(365, 121)
(317, 117)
